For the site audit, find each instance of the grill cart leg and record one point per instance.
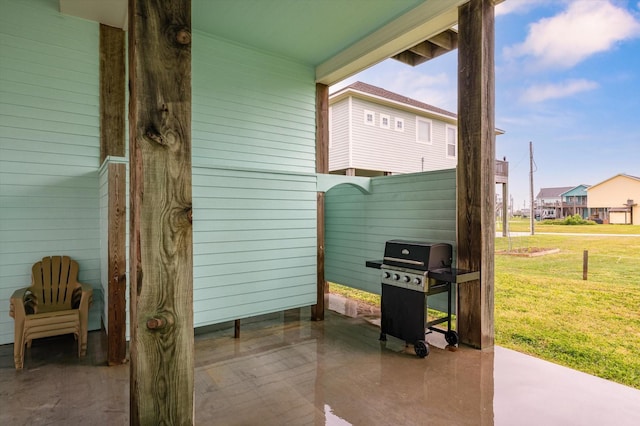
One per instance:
(450, 336)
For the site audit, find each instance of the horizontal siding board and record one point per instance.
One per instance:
(228, 313)
(27, 89)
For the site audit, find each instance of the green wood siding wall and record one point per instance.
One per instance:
(419, 206)
(254, 184)
(49, 146)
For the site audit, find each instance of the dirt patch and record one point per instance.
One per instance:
(529, 251)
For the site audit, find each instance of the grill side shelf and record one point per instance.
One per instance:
(454, 275)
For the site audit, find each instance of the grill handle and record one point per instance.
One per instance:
(407, 261)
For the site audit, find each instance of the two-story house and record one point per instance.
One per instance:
(549, 202)
(375, 132)
(575, 201)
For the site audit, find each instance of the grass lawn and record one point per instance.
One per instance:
(522, 225)
(544, 308)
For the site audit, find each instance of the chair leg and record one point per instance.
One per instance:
(18, 352)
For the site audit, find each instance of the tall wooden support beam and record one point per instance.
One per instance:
(161, 243)
(322, 166)
(112, 143)
(117, 265)
(112, 92)
(476, 171)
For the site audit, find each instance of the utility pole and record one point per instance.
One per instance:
(532, 211)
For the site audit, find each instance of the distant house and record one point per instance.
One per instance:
(615, 200)
(575, 201)
(376, 132)
(550, 203)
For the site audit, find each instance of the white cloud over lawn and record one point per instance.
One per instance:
(543, 92)
(585, 28)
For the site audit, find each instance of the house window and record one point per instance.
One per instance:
(423, 130)
(369, 117)
(399, 125)
(384, 121)
(452, 142)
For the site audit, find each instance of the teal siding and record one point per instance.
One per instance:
(49, 147)
(251, 110)
(254, 237)
(419, 206)
(254, 184)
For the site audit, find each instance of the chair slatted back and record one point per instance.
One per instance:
(53, 281)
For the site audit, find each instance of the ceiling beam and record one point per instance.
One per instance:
(424, 21)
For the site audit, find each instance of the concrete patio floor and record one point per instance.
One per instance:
(287, 370)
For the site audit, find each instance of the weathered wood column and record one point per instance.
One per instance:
(322, 166)
(161, 243)
(476, 171)
(112, 143)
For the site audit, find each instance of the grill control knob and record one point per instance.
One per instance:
(386, 275)
(396, 277)
(417, 281)
(406, 278)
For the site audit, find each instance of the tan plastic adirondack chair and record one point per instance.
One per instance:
(55, 303)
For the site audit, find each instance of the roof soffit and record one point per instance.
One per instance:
(338, 38)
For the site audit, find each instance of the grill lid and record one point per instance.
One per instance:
(420, 255)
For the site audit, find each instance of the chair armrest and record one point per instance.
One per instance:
(87, 296)
(17, 300)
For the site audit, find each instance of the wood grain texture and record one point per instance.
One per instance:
(112, 92)
(117, 264)
(476, 171)
(161, 232)
(322, 166)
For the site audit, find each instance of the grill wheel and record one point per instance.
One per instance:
(421, 348)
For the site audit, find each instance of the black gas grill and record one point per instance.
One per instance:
(411, 271)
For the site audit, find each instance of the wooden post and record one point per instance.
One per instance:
(161, 244)
(117, 265)
(236, 329)
(476, 171)
(322, 166)
(505, 209)
(112, 143)
(585, 264)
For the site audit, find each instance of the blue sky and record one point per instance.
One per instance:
(567, 79)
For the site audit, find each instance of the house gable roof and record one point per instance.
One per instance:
(579, 190)
(613, 177)
(378, 92)
(553, 192)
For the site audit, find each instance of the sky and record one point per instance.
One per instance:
(567, 79)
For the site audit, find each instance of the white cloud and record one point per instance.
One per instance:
(517, 6)
(542, 92)
(435, 89)
(585, 28)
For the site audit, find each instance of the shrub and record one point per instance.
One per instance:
(576, 219)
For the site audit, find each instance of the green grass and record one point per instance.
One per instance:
(544, 308)
(522, 225)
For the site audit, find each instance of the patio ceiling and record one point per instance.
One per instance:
(338, 37)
